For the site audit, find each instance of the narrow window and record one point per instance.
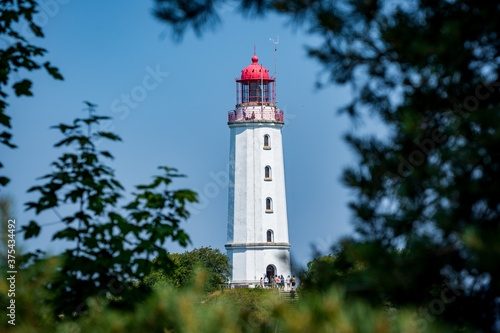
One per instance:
(269, 205)
(267, 173)
(267, 142)
(270, 236)
(244, 93)
(254, 92)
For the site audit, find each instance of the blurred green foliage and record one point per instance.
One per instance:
(191, 309)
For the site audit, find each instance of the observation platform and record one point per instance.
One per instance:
(255, 114)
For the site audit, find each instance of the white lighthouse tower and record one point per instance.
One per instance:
(257, 229)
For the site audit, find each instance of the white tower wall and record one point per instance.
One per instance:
(248, 248)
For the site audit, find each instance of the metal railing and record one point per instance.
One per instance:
(255, 114)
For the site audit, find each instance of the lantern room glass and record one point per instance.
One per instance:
(255, 92)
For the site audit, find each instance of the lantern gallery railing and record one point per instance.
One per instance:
(256, 113)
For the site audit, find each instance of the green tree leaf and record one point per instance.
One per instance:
(53, 71)
(31, 230)
(23, 88)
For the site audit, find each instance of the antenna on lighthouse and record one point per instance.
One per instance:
(261, 91)
(261, 85)
(275, 42)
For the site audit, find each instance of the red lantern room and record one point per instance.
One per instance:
(255, 87)
(255, 96)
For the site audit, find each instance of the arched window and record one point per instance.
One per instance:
(267, 142)
(269, 205)
(267, 173)
(270, 236)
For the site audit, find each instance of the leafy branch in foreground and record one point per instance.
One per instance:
(17, 55)
(110, 251)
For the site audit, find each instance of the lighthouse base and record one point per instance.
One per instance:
(252, 261)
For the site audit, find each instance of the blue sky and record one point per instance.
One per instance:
(108, 50)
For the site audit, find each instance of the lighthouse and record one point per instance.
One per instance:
(257, 229)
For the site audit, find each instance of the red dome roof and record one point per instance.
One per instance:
(252, 72)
